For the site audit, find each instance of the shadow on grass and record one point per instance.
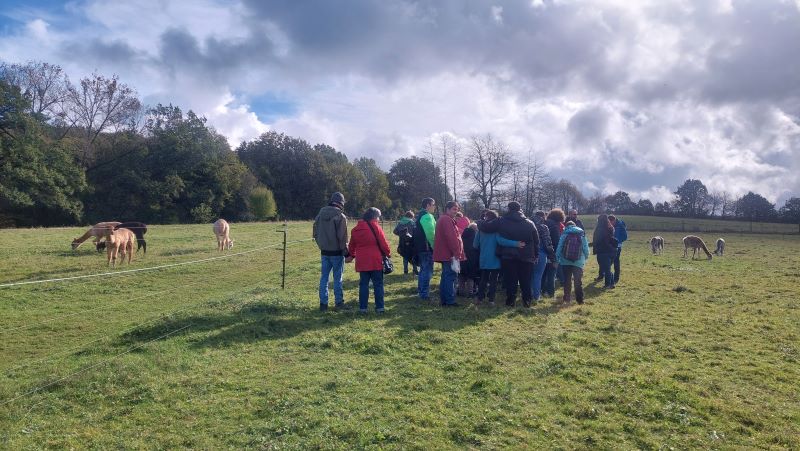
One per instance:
(281, 317)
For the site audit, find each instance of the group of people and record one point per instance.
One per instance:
(527, 255)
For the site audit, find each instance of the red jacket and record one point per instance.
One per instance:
(447, 241)
(364, 248)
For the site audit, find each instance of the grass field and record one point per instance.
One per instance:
(683, 354)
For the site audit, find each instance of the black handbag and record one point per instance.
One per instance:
(388, 266)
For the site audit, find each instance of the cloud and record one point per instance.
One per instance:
(624, 95)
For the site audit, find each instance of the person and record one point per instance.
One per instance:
(489, 263)
(405, 231)
(470, 268)
(330, 234)
(620, 234)
(516, 262)
(424, 234)
(604, 247)
(573, 269)
(554, 221)
(367, 247)
(573, 216)
(448, 247)
(546, 254)
(462, 222)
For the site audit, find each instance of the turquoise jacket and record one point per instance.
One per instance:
(560, 250)
(487, 243)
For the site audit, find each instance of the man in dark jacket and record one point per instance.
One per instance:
(330, 233)
(516, 262)
(424, 234)
(573, 216)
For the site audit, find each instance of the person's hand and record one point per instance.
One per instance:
(520, 244)
(349, 259)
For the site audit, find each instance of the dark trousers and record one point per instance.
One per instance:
(517, 272)
(549, 280)
(488, 280)
(363, 289)
(573, 273)
(604, 261)
(616, 265)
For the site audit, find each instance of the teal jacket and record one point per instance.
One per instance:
(560, 250)
(487, 244)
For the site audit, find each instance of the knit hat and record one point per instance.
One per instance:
(337, 198)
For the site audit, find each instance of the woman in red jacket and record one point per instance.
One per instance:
(366, 242)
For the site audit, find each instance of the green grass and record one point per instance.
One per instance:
(683, 354)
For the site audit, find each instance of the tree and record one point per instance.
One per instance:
(790, 212)
(535, 177)
(487, 165)
(42, 85)
(645, 207)
(262, 203)
(620, 202)
(691, 199)
(754, 207)
(714, 202)
(662, 209)
(727, 204)
(39, 180)
(413, 179)
(99, 104)
(376, 186)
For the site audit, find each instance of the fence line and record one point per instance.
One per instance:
(151, 268)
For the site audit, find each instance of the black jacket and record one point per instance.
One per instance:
(604, 243)
(555, 231)
(420, 240)
(515, 226)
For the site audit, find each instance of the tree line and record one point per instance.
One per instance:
(73, 153)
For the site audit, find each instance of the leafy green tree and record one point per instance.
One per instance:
(790, 212)
(262, 203)
(645, 207)
(620, 202)
(413, 179)
(40, 181)
(691, 199)
(376, 192)
(754, 207)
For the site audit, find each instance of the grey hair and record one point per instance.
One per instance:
(371, 213)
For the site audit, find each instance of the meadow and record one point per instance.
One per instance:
(213, 354)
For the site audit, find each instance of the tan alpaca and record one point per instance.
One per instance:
(720, 250)
(97, 231)
(657, 245)
(695, 243)
(223, 232)
(119, 243)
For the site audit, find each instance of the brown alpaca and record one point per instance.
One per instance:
(223, 231)
(119, 243)
(97, 231)
(695, 243)
(657, 245)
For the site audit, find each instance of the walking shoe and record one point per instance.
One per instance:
(599, 278)
(342, 307)
(454, 304)
(380, 311)
(580, 302)
(323, 307)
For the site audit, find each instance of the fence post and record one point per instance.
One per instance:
(283, 260)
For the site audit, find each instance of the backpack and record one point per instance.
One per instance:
(573, 246)
(406, 245)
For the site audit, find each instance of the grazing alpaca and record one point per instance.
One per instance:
(138, 228)
(119, 242)
(720, 247)
(657, 245)
(695, 243)
(97, 231)
(223, 232)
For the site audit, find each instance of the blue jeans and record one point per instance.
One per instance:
(549, 280)
(425, 274)
(447, 287)
(363, 290)
(330, 263)
(604, 260)
(406, 261)
(617, 265)
(538, 272)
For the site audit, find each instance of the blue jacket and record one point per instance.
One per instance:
(560, 251)
(487, 243)
(620, 232)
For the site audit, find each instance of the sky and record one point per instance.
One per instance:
(611, 95)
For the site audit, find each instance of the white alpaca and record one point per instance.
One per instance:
(223, 232)
(657, 245)
(720, 247)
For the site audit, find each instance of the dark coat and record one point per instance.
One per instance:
(470, 267)
(544, 238)
(603, 241)
(515, 226)
(421, 241)
(555, 231)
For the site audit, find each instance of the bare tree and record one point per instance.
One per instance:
(535, 176)
(714, 202)
(44, 85)
(455, 150)
(727, 204)
(101, 104)
(486, 166)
